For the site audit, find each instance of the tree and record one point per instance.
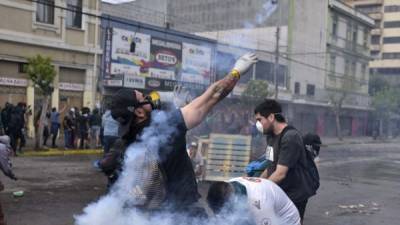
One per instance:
(255, 92)
(386, 103)
(376, 84)
(42, 74)
(338, 96)
(337, 100)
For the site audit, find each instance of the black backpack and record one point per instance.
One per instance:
(311, 174)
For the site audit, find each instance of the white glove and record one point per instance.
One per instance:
(182, 96)
(244, 63)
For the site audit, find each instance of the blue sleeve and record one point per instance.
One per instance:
(176, 120)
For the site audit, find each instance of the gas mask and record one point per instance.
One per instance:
(260, 127)
(154, 100)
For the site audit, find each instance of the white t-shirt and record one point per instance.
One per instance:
(268, 204)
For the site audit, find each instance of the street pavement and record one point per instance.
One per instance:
(359, 185)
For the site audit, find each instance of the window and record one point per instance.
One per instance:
(22, 67)
(334, 25)
(355, 33)
(391, 24)
(346, 67)
(265, 71)
(393, 55)
(363, 70)
(45, 11)
(349, 30)
(310, 90)
(378, 23)
(74, 13)
(375, 39)
(333, 64)
(297, 88)
(375, 54)
(391, 40)
(392, 8)
(368, 8)
(388, 71)
(353, 68)
(366, 37)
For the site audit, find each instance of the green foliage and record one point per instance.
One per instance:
(387, 101)
(256, 91)
(377, 84)
(41, 73)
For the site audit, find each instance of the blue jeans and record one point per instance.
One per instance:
(67, 138)
(108, 141)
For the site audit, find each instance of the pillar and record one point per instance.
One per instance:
(89, 92)
(30, 100)
(55, 97)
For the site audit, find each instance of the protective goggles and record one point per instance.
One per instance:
(153, 99)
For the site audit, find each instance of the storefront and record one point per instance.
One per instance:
(13, 83)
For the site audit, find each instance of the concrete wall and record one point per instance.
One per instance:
(308, 43)
(152, 12)
(211, 15)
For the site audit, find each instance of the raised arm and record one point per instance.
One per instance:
(198, 109)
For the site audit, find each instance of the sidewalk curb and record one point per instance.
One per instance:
(360, 142)
(54, 152)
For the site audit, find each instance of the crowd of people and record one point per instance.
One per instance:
(81, 128)
(13, 120)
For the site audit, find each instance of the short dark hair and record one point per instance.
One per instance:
(218, 194)
(269, 107)
(53, 109)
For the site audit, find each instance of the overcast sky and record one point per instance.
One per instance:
(117, 1)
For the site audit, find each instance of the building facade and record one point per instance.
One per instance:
(318, 63)
(211, 15)
(385, 37)
(58, 29)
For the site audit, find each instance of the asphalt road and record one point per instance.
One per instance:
(360, 185)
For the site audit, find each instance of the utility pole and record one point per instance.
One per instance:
(276, 66)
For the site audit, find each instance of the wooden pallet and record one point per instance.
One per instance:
(227, 156)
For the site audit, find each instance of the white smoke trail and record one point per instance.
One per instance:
(268, 8)
(246, 37)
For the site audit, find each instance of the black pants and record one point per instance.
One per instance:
(301, 206)
(46, 135)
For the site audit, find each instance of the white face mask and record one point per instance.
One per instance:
(260, 127)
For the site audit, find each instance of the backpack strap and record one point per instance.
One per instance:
(286, 129)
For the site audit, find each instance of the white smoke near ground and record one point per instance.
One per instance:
(116, 207)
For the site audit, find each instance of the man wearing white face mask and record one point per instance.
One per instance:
(286, 151)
